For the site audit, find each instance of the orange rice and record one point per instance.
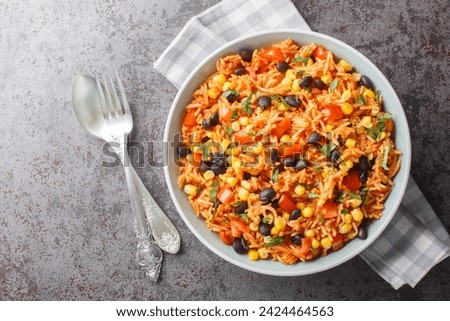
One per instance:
(313, 210)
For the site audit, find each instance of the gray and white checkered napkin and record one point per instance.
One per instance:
(415, 240)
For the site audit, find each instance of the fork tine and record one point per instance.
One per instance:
(102, 96)
(115, 97)
(107, 92)
(126, 107)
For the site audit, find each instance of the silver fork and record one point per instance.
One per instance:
(118, 125)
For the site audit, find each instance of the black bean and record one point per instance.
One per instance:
(305, 82)
(282, 66)
(246, 54)
(314, 138)
(275, 204)
(206, 123)
(274, 155)
(295, 214)
(366, 82)
(240, 209)
(267, 194)
(362, 231)
(301, 164)
(335, 156)
(240, 245)
(240, 71)
(297, 239)
(293, 101)
(319, 83)
(231, 97)
(363, 192)
(363, 176)
(289, 162)
(363, 163)
(214, 119)
(264, 228)
(183, 151)
(264, 102)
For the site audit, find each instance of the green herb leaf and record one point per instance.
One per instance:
(373, 133)
(198, 190)
(301, 59)
(228, 130)
(265, 220)
(334, 84)
(361, 100)
(300, 72)
(214, 191)
(205, 151)
(275, 173)
(341, 197)
(327, 149)
(345, 211)
(244, 216)
(312, 195)
(234, 114)
(385, 158)
(246, 104)
(355, 196)
(230, 92)
(238, 203)
(272, 241)
(321, 220)
(317, 169)
(279, 100)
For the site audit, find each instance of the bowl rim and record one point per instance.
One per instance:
(405, 165)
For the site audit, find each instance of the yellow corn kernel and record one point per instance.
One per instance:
(360, 130)
(243, 194)
(286, 82)
(329, 127)
(190, 189)
(310, 62)
(383, 135)
(295, 85)
(366, 121)
(235, 126)
(274, 231)
(223, 177)
(347, 108)
(326, 78)
(208, 175)
(345, 228)
(282, 107)
(279, 223)
(210, 134)
(350, 143)
(263, 253)
(308, 211)
(348, 218)
(346, 95)
(253, 255)
(315, 243)
(286, 216)
(375, 111)
(259, 148)
(321, 202)
(253, 226)
(357, 215)
(235, 163)
(354, 202)
(369, 94)
(244, 121)
(232, 181)
(324, 174)
(309, 233)
(356, 76)
(326, 243)
(224, 145)
(349, 164)
(246, 184)
(291, 74)
(300, 205)
(285, 138)
(220, 78)
(213, 93)
(228, 85)
(299, 190)
(347, 67)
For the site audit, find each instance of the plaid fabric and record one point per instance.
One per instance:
(415, 240)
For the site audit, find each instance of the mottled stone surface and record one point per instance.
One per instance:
(66, 225)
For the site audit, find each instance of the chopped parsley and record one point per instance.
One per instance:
(214, 191)
(280, 100)
(321, 220)
(333, 85)
(385, 158)
(301, 59)
(234, 115)
(228, 130)
(312, 195)
(341, 197)
(272, 241)
(361, 100)
(345, 211)
(246, 108)
(275, 173)
(327, 149)
(381, 126)
(355, 196)
(230, 92)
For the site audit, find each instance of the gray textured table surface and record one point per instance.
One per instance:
(66, 226)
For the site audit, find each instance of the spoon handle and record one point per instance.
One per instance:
(163, 231)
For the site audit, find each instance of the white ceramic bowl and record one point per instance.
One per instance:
(391, 104)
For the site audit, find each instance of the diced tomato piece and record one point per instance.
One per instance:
(329, 210)
(320, 53)
(289, 149)
(338, 242)
(286, 204)
(305, 248)
(198, 157)
(225, 114)
(333, 112)
(226, 237)
(351, 180)
(238, 227)
(224, 195)
(189, 119)
(243, 139)
(272, 54)
(282, 127)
